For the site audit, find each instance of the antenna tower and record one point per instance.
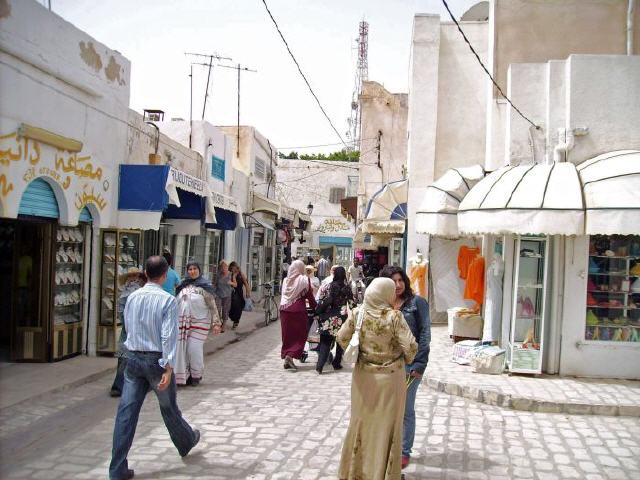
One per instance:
(362, 74)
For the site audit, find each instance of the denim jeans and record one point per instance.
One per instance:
(143, 373)
(409, 425)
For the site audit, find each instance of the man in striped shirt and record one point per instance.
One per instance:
(150, 317)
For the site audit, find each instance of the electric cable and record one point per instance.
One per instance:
(485, 68)
(302, 74)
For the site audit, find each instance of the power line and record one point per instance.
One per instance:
(324, 145)
(302, 74)
(485, 68)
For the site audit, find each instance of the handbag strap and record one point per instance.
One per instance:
(360, 319)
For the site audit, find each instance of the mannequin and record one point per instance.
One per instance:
(493, 301)
(418, 274)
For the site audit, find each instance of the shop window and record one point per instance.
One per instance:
(613, 289)
(217, 167)
(336, 194)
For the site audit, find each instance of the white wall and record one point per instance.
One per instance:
(603, 94)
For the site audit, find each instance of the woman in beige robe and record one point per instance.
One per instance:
(372, 449)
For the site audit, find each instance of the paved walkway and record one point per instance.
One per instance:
(545, 393)
(27, 381)
(261, 422)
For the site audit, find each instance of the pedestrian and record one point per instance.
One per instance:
(355, 277)
(197, 313)
(315, 281)
(224, 289)
(323, 268)
(372, 447)
(241, 291)
(150, 317)
(284, 269)
(173, 279)
(296, 292)
(415, 310)
(133, 280)
(332, 311)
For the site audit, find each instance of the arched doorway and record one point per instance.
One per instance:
(26, 265)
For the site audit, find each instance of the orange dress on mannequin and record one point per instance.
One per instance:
(465, 257)
(418, 278)
(474, 288)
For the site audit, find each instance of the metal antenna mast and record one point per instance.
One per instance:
(210, 57)
(362, 74)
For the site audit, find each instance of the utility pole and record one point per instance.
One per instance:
(240, 69)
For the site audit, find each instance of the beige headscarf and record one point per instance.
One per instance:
(295, 285)
(379, 296)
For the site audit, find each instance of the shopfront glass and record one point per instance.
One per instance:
(613, 289)
(206, 249)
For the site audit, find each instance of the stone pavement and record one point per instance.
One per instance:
(28, 381)
(261, 422)
(543, 393)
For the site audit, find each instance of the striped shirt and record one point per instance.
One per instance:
(151, 320)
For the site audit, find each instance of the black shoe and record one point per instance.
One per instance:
(235, 325)
(114, 392)
(189, 381)
(197, 435)
(319, 371)
(130, 474)
(337, 367)
(195, 382)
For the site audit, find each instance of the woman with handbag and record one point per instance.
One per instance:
(240, 294)
(384, 343)
(296, 292)
(331, 313)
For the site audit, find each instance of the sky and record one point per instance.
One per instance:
(155, 34)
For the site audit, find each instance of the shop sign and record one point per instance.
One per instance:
(333, 225)
(81, 180)
(224, 201)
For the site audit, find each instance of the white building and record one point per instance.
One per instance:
(559, 242)
(322, 184)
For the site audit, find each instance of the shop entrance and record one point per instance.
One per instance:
(25, 269)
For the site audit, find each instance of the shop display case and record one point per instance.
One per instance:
(120, 251)
(67, 291)
(613, 289)
(396, 252)
(526, 339)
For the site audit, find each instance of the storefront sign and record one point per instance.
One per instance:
(74, 175)
(224, 201)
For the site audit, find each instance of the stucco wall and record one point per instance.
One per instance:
(56, 77)
(603, 95)
(384, 112)
(461, 117)
(527, 89)
(529, 31)
(141, 142)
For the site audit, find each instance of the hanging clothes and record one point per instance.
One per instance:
(474, 288)
(418, 278)
(493, 304)
(465, 257)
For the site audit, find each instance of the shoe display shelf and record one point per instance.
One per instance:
(68, 291)
(613, 298)
(120, 251)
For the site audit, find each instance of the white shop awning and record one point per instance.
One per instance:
(438, 214)
(611, 186)
(361, 240)
(528, 199)
(387, 210)
(261, 203)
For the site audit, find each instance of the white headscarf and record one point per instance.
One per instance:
(379, 297)
(295, 285)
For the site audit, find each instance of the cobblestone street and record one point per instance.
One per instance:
(259, 421)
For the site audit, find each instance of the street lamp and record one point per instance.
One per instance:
(310, 208)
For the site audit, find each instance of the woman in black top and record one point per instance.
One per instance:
(333, 304)
(241, 291)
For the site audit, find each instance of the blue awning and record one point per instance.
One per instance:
(341, 241)
(191, 207)
(225, 220)
(142, 187)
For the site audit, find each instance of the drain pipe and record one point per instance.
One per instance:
(561, 150)
(630, 13)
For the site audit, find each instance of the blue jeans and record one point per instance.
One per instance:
(142, 374)
(409, 424)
